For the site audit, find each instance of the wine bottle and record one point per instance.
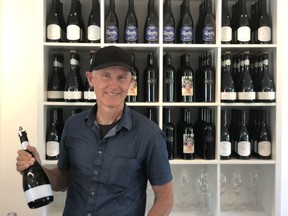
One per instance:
(169, 79)
(151, 80)
(62, 22)
(74, 23)
(112, 25)
(54, 132)
(228, 93)
(83, 34)
(243, 30)
(209, 137)
(208, 80)
(246, 91)
(89, 94)
(226, 25)
(168, 24)
(36, 185)
(151, 28)
(186, 26)
(54, 30)
(225, 139)
(266, 92)
(199, 25)
(74, 84)
(264, 27)
(188, 137)
(264, 146)
(209, 27)
(94, 29)
(187, 80)
(131, 25)
(56, 82)
(243, 143)
(132, 95)
(169, 130)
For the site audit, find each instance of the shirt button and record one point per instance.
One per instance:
(89, 214)
(100, 152)
(92, 193)
(96, 173)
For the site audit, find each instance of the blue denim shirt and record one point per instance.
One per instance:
(109, 176)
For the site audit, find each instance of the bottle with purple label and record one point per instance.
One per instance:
(186, 27)
(209, 28)
(151, 29)
(131, 25)
(168, 23)
(111, 25)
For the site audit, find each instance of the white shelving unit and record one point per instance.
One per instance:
(186, 198)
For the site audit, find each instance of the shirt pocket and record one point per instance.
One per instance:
(122, 173)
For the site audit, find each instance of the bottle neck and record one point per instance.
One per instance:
(243, 6)
(168, 116)
(74, 6)
(150, 59)
(131, 6)
(95, 5)
(151, 6)
(224, 117)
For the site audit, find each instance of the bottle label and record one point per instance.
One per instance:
(243, 33)
(24, 145)
(186, 34)
(266, 95)
(225, 148)
(264, 148)
(73, 32)
(152, 33)
(208, 33)
(188, 143)
(94, 33)
(53, 32)
(55, 94)
(246, 95)
(133, 87)
(38, 192)
(89, 95)
(264, 34)
(72, 95)
(228, 96)
(131, 34)
(187, 85)
(244, 148)
(74, 61)
(112, 33)
(52, 148)
(168, 34)
(226, 33)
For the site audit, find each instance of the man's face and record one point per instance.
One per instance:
(111, 85)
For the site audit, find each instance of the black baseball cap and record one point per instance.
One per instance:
(111, 56)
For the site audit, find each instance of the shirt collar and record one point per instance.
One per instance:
(125, 121)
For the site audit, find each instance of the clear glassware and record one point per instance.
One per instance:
(223, 189)
(237, 187)
(254, 188)
(184, 201)
(202, 188)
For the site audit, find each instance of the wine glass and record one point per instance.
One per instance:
(185, 201)
(202, 188)
(254, 186)
(236, 187)
(223, 189)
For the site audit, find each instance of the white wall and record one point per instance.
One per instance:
(20, 55)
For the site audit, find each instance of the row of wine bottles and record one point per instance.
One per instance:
(244, 138)
(246, 77)
(178, 86)
(186, 140)
(238, 28)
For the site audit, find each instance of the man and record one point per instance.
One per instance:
(108, 153)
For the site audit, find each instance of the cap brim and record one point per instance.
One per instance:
(110, 64)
